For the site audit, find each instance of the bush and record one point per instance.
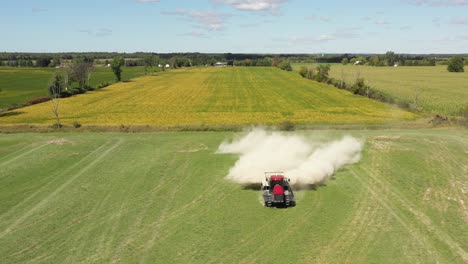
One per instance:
(287, 126)
(359, 87)
(56, 126)
(38, 100)
(456, 64)
(66, 93)
(285, 65)
(102, 85)
(303, 71)
(89, 88)
(76, 124)
(403, 104)
(322, 73)
(14, 106)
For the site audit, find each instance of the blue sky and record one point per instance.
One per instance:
(237, 26)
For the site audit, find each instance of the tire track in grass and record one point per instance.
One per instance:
(162, 219)
(422, 241)
(250, 239)
(136, 230)
(291, 229)
(53, 176)
(420, 216)
(447, 157)
(47, 199)
(105, 246)
(16, 152)
(57, 236)
(138, 233)
(82, 232)
(184, 209)
(189, 216)
(348, 233)
(22, 154)
(383, 186)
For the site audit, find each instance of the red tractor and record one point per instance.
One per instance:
(276, 190)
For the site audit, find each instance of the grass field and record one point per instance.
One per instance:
(18, 85)
(213, 96)
(440, 92)
(162, 198)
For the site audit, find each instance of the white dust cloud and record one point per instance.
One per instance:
(303, 161)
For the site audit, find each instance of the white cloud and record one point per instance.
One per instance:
(209, 20)
(252, 5)
(38, 10)
(147, 1)
(324, 19)
(194, 34)
(292, 41)
(381, 22)
(438, 2)
(459, 21)
(101, 32)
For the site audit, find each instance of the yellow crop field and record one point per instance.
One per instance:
(213, 96)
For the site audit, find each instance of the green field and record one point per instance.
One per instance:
(18, 85)
(214, 96)
(433, 89)
(162, 198)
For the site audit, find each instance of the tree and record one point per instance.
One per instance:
(345, 61)
(172, 62)
(322, 73)
(82, 68)
(67, 74)
(56, 62)
(149, 62)
(43, 62)
(285, 65)
(456, 64)
(391, 58)
(276, 61)
(360, 87)
(375, 61)
(362, 59)
(55, 89)
(116, 66)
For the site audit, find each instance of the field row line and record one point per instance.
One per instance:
(44, 201)
(22, 154)
(404, 223)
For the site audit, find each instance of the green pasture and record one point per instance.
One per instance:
(431, 89)
(162, 198)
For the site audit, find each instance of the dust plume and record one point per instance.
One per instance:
(303, 161)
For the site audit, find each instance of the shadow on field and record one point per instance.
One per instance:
(14, 113)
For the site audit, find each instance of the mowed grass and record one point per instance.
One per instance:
(162, 198)
(433, 89)
(18, 85)
(214, 96)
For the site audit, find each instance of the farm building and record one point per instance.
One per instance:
(220, 64)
